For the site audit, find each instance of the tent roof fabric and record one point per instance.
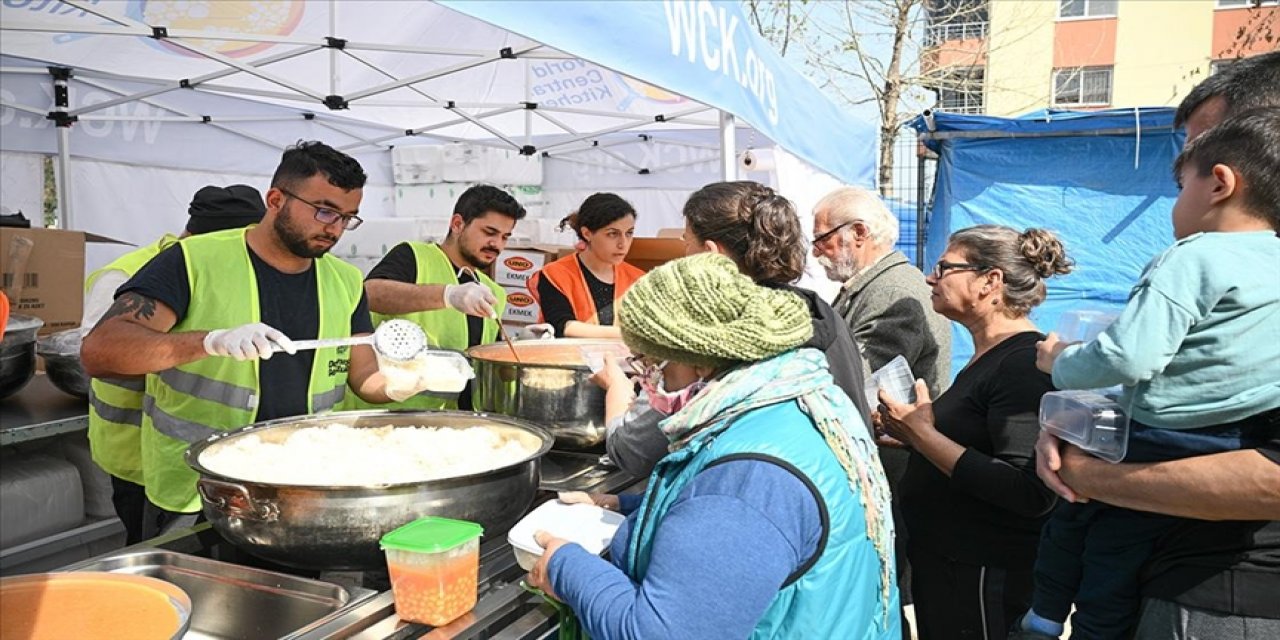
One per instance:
(494, 73)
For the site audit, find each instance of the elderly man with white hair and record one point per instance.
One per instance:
(887, 306)
(883, 297)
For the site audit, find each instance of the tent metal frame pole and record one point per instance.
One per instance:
(728, 150)
(192, 82)
(589, 163)
(439, 125)
(334, 127)
(596, 144)
(624, 127)
(333, 51)
(528, 97)
(625, 116)
(148, 101)
(95, 30)
(455, 108)
(61, 103)
(430, 75)
(24, 108)
(202, 52)
(66, 219)
(687, 163)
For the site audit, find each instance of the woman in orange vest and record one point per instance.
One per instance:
(578, 292)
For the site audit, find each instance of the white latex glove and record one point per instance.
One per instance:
(472, 298)
(248, 342)
(539, 331)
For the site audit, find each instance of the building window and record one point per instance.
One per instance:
(1240, 4)
(1082, 87)
(961, 90)
(1087, 8)
(948, 20)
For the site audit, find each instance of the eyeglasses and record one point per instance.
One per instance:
(832, 231)
(942, 268)
(325, 215)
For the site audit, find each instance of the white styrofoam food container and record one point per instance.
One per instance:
(588, 525)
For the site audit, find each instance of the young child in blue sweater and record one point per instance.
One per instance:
(1197, 352)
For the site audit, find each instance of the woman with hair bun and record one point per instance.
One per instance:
(970, 495)
(578, 292)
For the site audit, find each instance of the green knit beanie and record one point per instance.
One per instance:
(700, 310)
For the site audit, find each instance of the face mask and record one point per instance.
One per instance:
(661, 400)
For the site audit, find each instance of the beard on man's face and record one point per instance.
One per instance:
(297, 241)
(843, 267)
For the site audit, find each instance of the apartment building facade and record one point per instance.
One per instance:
(1008, 57)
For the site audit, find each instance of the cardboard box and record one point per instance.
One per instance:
(647, 253)
(521, 308)
(53, 281)
(516, 265)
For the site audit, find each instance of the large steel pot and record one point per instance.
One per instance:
(338, 527)
(61, 353)
(18, 353)
(550, 386)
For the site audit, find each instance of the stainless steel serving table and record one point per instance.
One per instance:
(504, 610)
(40, 410)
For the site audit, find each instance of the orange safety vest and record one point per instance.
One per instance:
(566, 276)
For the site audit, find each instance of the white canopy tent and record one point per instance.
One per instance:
(143, 101)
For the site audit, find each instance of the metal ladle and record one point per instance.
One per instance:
(397, 339)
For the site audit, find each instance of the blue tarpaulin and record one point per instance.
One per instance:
(1102, 181)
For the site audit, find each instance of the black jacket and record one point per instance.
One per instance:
(831, 336)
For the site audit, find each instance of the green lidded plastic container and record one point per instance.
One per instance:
(434, 565)
(431, 535)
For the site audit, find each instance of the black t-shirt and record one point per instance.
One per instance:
(1230, 567)
(401, 265)
(289, 302)
(556, 309)
(990, 510)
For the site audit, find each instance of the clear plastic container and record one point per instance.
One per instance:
(435, 569)
(1083, 325)
(1087, 419)
(595, 355)
(896, 378)
(435, 370)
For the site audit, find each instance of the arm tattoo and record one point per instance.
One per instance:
(142, 307)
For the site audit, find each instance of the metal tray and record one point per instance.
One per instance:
(232, 601)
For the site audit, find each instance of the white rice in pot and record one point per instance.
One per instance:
(338, 454)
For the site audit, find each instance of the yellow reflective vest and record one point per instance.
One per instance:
(195, 400)
(446, 328)
(115, 404)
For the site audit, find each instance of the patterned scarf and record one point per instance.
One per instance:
(800, 375)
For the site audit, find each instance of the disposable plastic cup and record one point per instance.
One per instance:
(1084, 325)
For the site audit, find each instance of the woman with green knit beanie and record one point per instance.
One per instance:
(770, 515)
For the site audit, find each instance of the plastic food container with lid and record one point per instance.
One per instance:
(434, 565)
(1088, 419)
(588, 525)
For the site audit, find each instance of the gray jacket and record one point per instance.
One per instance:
(889, 313)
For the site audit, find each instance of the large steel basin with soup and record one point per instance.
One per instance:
(550, 386)
(338, 527)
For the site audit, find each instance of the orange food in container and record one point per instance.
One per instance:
(435, 569)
